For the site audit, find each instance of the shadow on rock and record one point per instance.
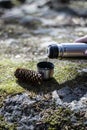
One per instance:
(52, 85)
(71, 93)
(73, 90)
(78, 80)
(45, 87)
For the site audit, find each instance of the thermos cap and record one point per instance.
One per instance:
(53, 51)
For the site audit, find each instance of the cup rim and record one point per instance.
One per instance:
(45, 65)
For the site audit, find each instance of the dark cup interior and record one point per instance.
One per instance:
(45, 65)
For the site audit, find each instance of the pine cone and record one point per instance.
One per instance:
(28, 76)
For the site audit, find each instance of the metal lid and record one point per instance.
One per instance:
(45, 65)
(53, 51)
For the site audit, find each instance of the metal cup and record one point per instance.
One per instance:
(46, 69)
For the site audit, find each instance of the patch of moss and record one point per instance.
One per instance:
(6, 126)
(60, 119)
(8, 84)
(66, 72)
(3, 95)
(7, 79)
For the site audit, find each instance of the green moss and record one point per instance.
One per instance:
(8, 84)
(60, 119)
(7, 79)
(3, 95)
(6, 126)
(66, 72)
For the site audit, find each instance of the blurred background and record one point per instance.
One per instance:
(27, 26)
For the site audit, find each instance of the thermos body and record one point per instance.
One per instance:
(67, 50)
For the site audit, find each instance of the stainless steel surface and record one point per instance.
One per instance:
(46, 69)
(74, 49)
(67, 50)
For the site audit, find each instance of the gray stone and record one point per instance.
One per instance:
(24, 127)
(63, 92)
(30, 21)
(85, 123)
(80, 91)
(86, 115)
(20, 128)
(56, 98)
(78, 105)
(69, 98)
(73, 119)
(22, 113)
(13, 16)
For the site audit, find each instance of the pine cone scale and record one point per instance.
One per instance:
(28, 76)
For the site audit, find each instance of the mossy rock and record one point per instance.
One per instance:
(6, 126)
(65, 73)
(60, 119)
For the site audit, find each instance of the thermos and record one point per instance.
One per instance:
(70, 50)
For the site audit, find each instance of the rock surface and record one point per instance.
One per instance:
(28, 112)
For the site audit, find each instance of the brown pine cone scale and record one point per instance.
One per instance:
(28, 76)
